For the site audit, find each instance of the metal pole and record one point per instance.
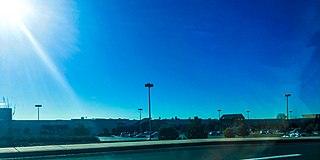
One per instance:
(287, 95)
(219, 120)
(149, 104)
(140, 109)
(149, 85)
(38, 113)
(149, 112)
(38, 106)
(140, 122)
(287, 107)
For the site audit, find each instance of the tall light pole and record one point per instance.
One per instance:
(290, 114)
(149, 85)
(248, 114)
(219, 119)
(140, 109)
(287, 95)
(38, 106)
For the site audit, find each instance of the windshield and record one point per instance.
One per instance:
(108, 71)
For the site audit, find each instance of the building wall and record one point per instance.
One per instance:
(6, 114)
(96, 126)
(37, 127)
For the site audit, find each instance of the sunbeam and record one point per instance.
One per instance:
(46, 60)
(33, 54)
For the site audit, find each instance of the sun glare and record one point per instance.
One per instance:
(21, 33)
(14, 10)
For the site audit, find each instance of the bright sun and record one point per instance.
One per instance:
(14, 10)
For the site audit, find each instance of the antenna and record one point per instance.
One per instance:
(8, 104)
(14, 110)
(4, 102)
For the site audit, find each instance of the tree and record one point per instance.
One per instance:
(309, 128)
(27, 131)
(167, 133)
(281, 116)
(81, 130)
(210, 127)
(105, 132)
(228, 133)
(243, 130)
(115, 131)
(196, 129)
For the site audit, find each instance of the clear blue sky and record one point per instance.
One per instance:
(92, 58)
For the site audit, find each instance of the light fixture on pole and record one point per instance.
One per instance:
(149, 85)
(287, 95)
(248, 114)
(38, 106)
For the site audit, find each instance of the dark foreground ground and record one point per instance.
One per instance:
(263, 148)
(241, 151)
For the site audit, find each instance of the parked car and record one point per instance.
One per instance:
(214, 133)
(269, 132)
(124, 134)
(133, 134)
(316, 133)
(141, 135)
(155, 134)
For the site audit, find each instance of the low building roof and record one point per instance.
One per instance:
(232, 116)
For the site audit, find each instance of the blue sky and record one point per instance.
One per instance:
(201, 57)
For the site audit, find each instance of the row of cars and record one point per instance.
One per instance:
(295, 133)
(299, 133)
(138, 135)
(215, 133)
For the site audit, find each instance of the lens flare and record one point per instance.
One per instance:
(14, 10)
(47, 61)
(35, 36)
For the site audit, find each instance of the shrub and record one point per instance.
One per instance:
(243, 130)
(167, 133)
(228, 133)
(195, 130)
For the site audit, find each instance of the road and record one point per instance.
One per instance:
(300, 150)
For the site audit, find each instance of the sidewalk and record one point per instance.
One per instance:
(32, 151)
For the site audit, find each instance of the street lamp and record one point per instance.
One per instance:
(219, 119)
(290, 114)
(287, 95)
(248, 114)
(38, 106)
(140, 109)
(149, 85)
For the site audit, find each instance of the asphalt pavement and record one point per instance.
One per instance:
(224, 148)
